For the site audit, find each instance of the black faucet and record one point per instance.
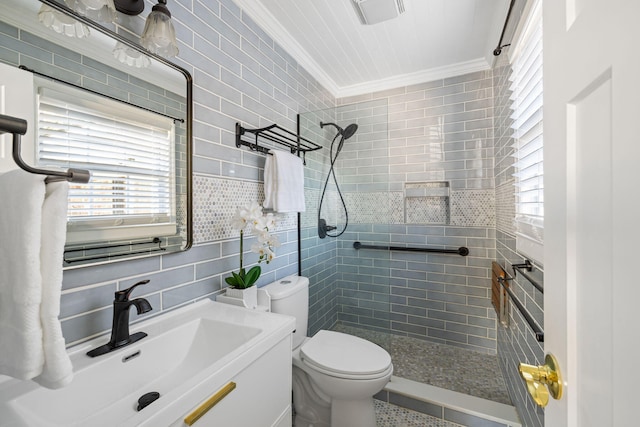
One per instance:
(120, 330)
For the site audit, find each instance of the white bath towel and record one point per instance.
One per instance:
(283, 182)
(32, 236)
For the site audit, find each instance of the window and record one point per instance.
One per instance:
(527, 101)
(129, 153)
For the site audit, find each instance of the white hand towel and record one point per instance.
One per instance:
(32, 235)
(284, 182)
(57, 370)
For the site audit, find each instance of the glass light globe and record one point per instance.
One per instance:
(98, 10)
(131, 57)
(62, 23)
(159, 36)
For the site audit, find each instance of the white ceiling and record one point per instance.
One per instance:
(433, 39)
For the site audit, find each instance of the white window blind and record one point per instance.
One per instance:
(527, 101)
(129, 153)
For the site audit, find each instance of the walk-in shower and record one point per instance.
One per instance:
(431, 311)
(344, 134)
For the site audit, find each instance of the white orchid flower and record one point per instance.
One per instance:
(270, 221)
(273, 241)
(238, 222)
(255, 211)
(261, 224)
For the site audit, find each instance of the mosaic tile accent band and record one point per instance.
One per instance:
(464, 208)
(215, 200)
(473, 208)
(505, 208)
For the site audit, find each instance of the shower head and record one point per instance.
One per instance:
(346, 133)
(349, 131)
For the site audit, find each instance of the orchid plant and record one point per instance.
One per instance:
(252, 218)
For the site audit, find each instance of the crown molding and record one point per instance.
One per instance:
(417, 77)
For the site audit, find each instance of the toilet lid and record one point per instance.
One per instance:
(345, 354)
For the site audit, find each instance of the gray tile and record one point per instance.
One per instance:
(190, 292)
(86, 300)
(160, 280)
(108, 272)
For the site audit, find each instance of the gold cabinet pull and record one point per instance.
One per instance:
(209, 403)
(542, 380)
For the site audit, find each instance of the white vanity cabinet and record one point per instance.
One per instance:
(189, 354)
(261, 396)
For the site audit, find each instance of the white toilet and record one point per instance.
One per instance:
(335, 375)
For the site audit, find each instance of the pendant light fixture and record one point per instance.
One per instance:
(159, 36)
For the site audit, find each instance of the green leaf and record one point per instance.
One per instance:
(231, 281)
(252, 275)
(240, 283)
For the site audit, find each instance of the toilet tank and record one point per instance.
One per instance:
(290, 296)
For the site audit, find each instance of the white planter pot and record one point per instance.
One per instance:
(248, 296)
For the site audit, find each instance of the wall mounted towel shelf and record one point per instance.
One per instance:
(274, 134)
(18, 127)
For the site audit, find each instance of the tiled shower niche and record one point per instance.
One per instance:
(427, 203)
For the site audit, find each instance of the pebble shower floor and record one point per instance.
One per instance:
(445, 366)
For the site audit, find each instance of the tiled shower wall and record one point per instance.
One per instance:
(516, 343)
(440, 136)
(319, 256)
(240, 75)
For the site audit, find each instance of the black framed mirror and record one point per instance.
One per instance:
(100, 99)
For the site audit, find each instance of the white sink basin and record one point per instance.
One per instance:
(182, 349)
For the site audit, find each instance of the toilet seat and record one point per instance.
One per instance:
(345, 356)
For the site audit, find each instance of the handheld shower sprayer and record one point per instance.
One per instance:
(344, 134)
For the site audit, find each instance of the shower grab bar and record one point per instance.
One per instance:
(527, 266)
(462, 251)
(537, 330)
(18, 127)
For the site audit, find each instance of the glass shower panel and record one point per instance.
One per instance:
(347, 186)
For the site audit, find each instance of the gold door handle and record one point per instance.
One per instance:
(542, 380)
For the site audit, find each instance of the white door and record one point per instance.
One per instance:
(592, 209)
(16, 100)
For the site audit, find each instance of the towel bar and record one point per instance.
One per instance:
(537, 330)
(527, 266)
(18, 127)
